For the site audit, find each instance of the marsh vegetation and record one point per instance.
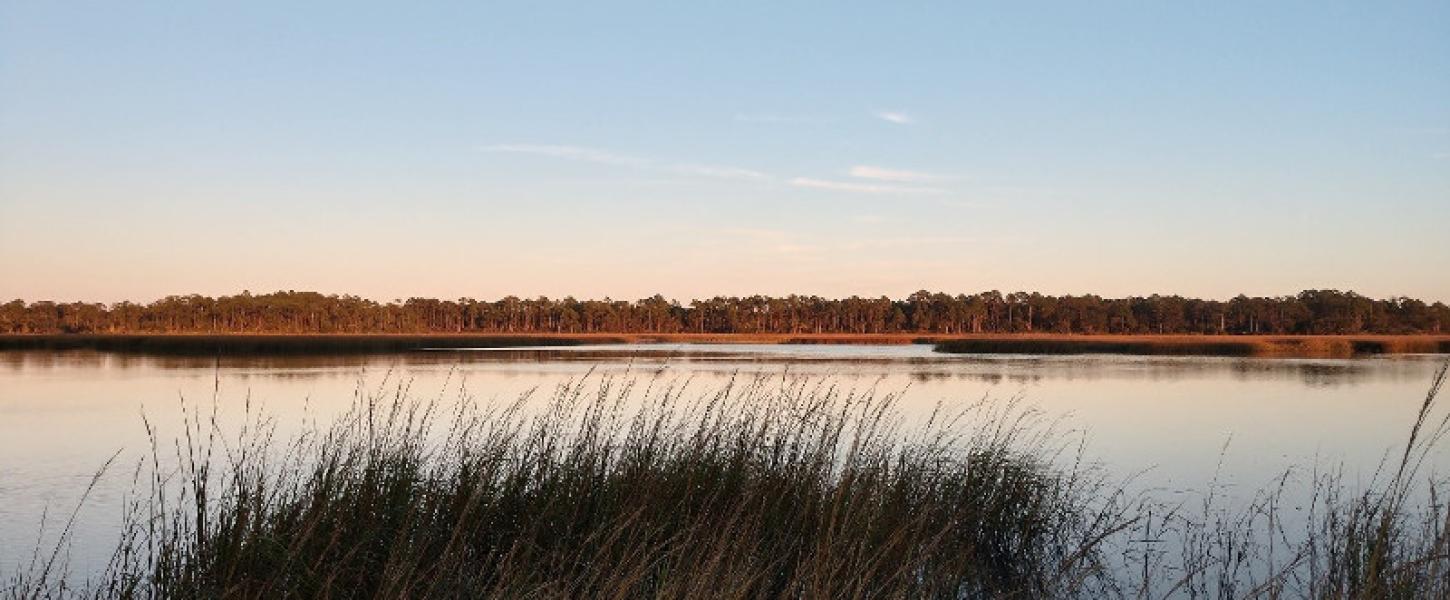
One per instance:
(761, 489)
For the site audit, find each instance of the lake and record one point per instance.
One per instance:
(1168, 426)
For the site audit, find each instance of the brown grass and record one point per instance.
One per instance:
(1311, 346)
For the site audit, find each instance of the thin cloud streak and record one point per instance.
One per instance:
(727, 172)
(897, 175)
(893, 116)
(721, 172)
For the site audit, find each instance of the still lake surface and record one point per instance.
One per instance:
(1167, 426)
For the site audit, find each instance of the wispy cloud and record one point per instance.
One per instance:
(580, 153)
(721, 172)
(863, 188)
(897, 175)
(895, 116)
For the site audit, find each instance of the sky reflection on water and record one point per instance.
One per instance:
(1166, 419)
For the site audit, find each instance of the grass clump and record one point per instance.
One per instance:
(765, 489)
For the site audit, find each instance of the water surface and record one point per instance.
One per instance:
(1164, 424)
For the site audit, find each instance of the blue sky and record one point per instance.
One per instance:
(724, 148)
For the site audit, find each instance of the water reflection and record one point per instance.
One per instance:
(63, 413)
(844, 361)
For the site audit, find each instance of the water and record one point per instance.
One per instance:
(1168, 425)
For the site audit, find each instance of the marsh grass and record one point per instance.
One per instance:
(207, 345)
(1263, 346)
(767, 488)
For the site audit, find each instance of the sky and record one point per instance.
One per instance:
(694, 149)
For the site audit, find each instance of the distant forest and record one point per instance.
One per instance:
(1309, 312)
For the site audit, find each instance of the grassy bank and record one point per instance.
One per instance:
(766, 489)
(1197, 345)
(1244, 346)
(264, 344)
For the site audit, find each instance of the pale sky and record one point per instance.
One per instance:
(456, 150)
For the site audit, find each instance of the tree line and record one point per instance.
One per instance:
(1309, 312)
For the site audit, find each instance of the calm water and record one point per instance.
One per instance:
(1164, 422)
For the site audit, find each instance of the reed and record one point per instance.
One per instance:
(768, 488)
(764, 489)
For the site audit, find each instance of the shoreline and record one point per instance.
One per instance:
(1267, 346)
